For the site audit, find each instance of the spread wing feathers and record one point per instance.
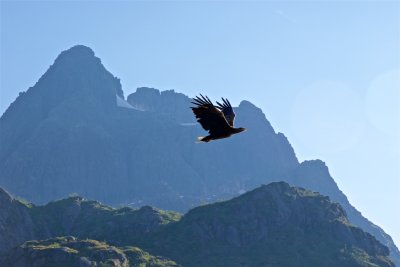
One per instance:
(210, 118)
(203, 101)
(227, 109)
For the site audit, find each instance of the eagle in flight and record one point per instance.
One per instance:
(217, 120)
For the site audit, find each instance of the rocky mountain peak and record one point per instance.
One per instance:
(78, 70)
(76, 76)
(279, 203)
(78, 54)
(145, 98)
(253, 117)
(167, 103)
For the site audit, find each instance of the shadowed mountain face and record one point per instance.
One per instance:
(74, 132)
(21, 221)
(273, 225)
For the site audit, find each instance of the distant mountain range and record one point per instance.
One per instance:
(75, 132)
(273, 225)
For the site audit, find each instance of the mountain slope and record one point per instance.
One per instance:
(70, 251)
(16, 225)
(70, 133)
(273, 225)
(74, 216)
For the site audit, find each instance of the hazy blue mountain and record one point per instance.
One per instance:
(273, 225)
(73, 131)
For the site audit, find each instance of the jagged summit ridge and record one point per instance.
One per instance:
(77, 55)
(80, 52)
(76, 73)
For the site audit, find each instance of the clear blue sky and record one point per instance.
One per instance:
(325, 73)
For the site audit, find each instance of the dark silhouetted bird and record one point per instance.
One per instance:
(217, 120)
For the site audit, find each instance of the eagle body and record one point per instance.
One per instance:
(217, 120)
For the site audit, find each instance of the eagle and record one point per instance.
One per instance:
(217, 120)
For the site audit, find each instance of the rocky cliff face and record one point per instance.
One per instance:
(68, 134)
(273, 225)
(315, 175)
(16, 225)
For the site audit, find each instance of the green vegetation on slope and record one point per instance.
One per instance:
(70, 252)
(91, 219)
(273, 225)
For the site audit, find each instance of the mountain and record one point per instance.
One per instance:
(21, 221)
(16, 225)
(54, 223)
(69, 252)
(74, 132)
(273, 225)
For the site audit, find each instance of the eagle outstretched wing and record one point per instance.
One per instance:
(210, 118)
(227, 109)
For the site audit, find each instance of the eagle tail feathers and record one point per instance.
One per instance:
(203, 139)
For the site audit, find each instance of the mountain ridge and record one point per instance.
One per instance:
(274, 224)
(67, 134)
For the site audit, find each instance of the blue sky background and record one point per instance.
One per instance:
(326, 74)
